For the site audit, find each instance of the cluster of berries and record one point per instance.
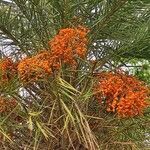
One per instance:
(121, 93)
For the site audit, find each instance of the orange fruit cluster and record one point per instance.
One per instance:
(37, 67)
(7, 105)
(68, 44)
(8, 69)
(121, 93)
(64, 47)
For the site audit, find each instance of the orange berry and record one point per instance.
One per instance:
(122, 93)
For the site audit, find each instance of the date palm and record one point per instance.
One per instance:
(61, 112)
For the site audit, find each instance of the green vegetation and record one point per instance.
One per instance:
(59, 111)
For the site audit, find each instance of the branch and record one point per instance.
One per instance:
(13, 38)
(9, 35)
(105, 20)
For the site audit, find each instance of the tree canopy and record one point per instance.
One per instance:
(70, 74)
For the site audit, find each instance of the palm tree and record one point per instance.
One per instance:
(60, 112)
